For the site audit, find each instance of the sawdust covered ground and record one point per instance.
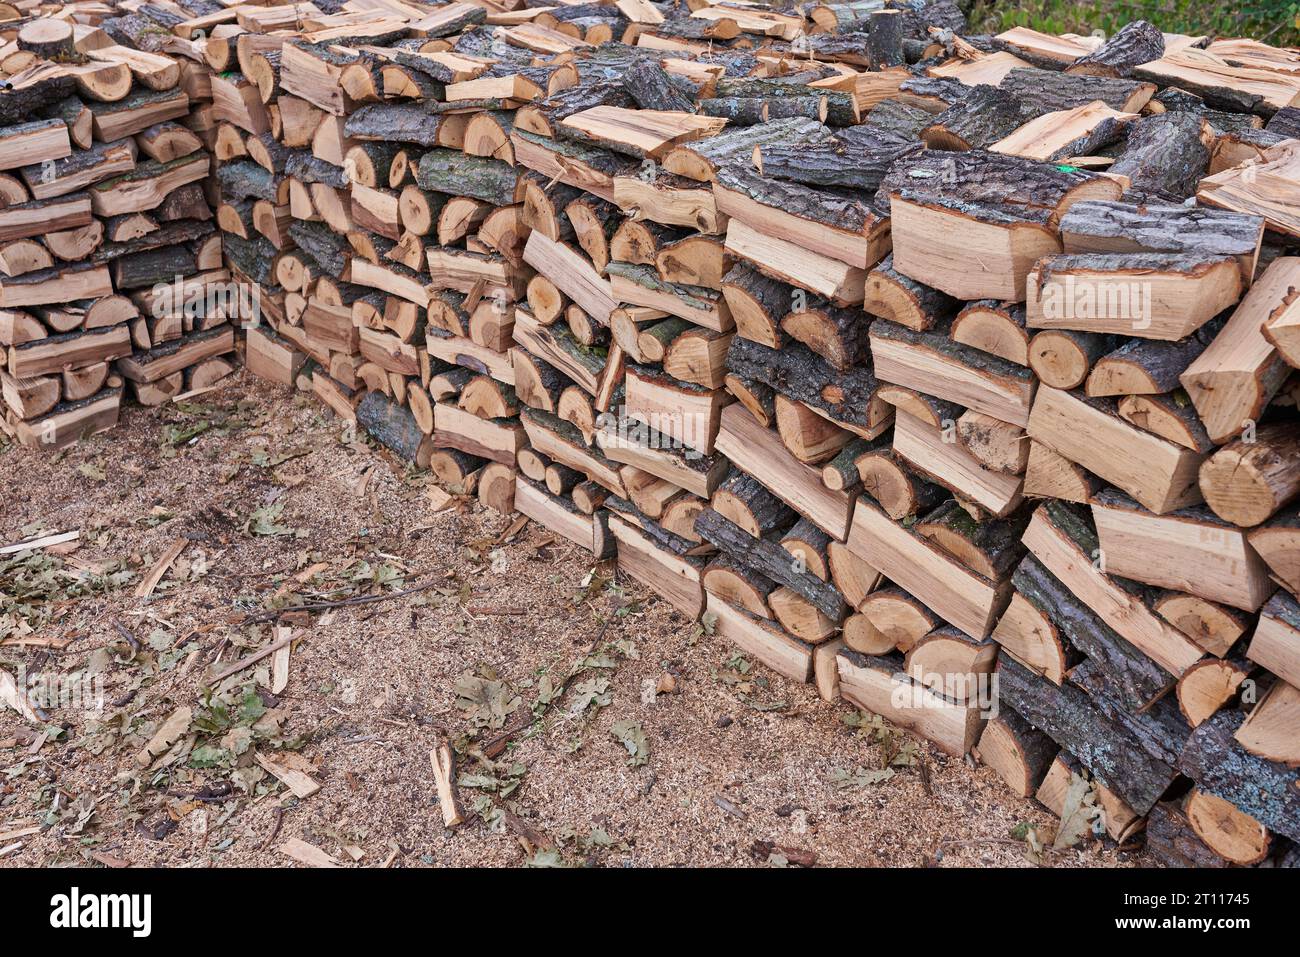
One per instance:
(736, 759)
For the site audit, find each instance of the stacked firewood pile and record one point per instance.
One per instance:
(107, 240)
(951, 373)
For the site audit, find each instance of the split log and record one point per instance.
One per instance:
(1248, 481)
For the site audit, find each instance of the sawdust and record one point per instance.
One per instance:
(373, 683)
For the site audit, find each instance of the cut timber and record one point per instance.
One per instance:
(1278, 543)
(852, 576)
(688, 413)
(1234, 379)
(965, 599)
(646, 450)
(496, 439)
(1209, 685)
(1048, 475)
(642, 286)
(990, 548)
(1030, 637)
(1213, 627)
(1264, 789)
(738, 585)
(556, 514)
(766, 641)
(563, 443)
(1133, 678)
(770, 560)
(951, 664)
(1231, 833)
(1106, 227)
(1107, 749)
(893, 296)
(1249, 480)
(1060, 537)
(818, 222)
(1188, 550)
(640, 133)
(955, 226)
(1270, 729)
(1159, 474)
(837, 281)
(1121, 821)
(1223, 86)
(878, 685)
(1017, 751)
(997, 445)
(1263, 186)
(759, 452)
(925, 449)
(743, 501)
(931, 362)
(898, 617)
(1171, 840)
(1276, 642)
(826, 670)
(676, 578)
(1057, 136)
(994, 327)
(572, 274)
(809, 438)
(1149, 295)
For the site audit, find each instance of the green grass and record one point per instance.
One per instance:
(1273, 21)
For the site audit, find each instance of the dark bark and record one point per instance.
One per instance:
(766, 301)
(1285, 122)
(138, 270)
(1137, 42)
(26, 102)
(1158, 362)
(837, 334)
(768, 558)
(245, 178)
(996, 541)
(979, 120)
(799, 373)
(1197, 230)
(395, 122)
(885, 39)
(1072, 720)
(458, 174)
(326, 247)
(1164, 157)
(901, 299)
(306, 168)
(391, 425)
(735, 147)
(819, 206)
(1049, 91)
(653, 89)
(749, 498)
(1172, 842)
(1266, 790)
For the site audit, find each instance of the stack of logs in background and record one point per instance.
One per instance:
(951, 373)
(106, 228)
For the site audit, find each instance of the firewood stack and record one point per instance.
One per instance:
(951, 373)
(107, 245)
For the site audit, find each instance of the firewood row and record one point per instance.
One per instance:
(108, 245)
(951, 374)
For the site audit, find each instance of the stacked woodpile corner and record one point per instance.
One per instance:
(952, 373)
(107, 240)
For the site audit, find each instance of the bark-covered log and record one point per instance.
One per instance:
(837, 334)
(1148, 366)
(458, 174)
(991, 547)
(901, 299)
(1266, 790)
(796, 371)
(306, 168)
(1050, 91)
(392, 425)
(1172, 842)
(654, 89)
(854, 160)
(1072, 720)
(768, 558)
(757, 304)
(1102, 226)
(1164, 158)
(758, 397)
(1137, 679)
(885, 39)
(981, 119)
(396, 122)
(246, 178)
(326, 247)
(1285, 122)
(745, 502)
(1138, 41)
